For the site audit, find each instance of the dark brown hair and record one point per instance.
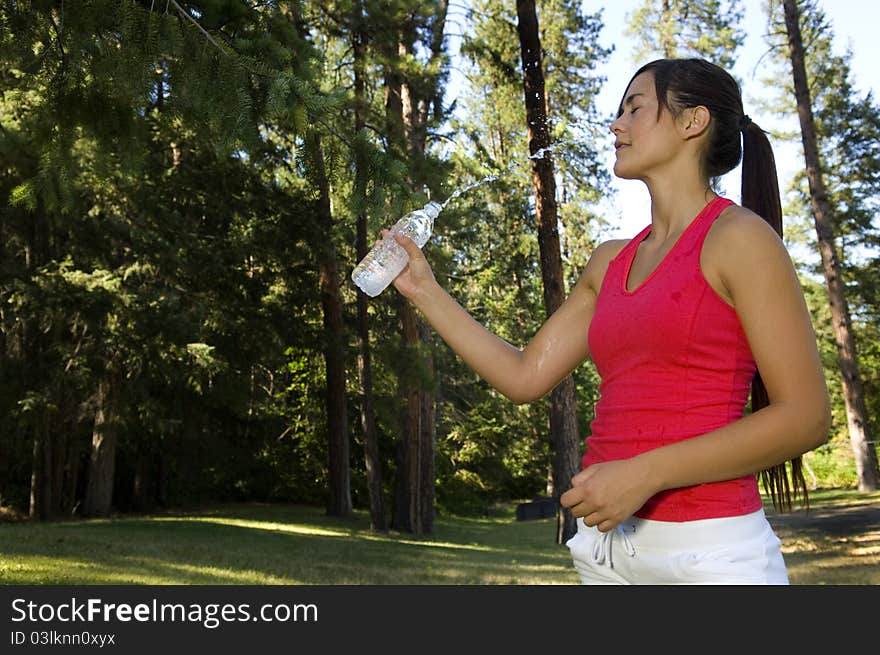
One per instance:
(733, 137)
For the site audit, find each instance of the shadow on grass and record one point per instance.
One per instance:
(836, 542)
(278, 545)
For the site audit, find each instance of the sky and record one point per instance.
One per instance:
(854, 23)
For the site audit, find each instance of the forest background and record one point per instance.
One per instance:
(187, 185)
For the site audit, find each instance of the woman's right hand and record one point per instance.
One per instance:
(417, 275)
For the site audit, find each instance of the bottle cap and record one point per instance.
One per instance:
(432, 209)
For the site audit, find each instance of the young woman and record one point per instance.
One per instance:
(680, 322)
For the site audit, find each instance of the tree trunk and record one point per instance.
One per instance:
(414, 493)
(563, 403)
(668, 38)
(400, 518)
(427, 440)
(65, 457)
(853, 392)
(99, 490)
(400, 514)
(418, 111)
(372, 462)
(420, 402)
(413, 442)
(408, 509)
(42, 500)
(404, 120)
(42, 496)
(144, 488)
(162, 478)
(71, 477)
(339, 500)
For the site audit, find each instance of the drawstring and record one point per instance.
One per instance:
(602, 547)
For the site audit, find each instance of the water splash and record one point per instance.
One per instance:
(543, 151)
(459, 192)
(494, 176)
(580, 129)
(385, 261)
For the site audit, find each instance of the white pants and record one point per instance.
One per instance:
(731, 550)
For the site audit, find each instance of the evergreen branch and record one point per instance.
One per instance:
(58, 38)
(770, 50)
(303, 96)
(196, 23)
(331, 130)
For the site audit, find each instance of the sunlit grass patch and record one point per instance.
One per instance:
(269, 544)
(280, 544)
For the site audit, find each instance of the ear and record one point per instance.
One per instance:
(694, 121)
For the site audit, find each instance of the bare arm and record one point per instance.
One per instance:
(522, 375)
(757, 272)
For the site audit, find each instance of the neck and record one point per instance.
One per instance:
(675, 204)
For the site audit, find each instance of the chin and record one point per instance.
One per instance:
(623, 174)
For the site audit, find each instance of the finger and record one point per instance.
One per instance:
(580, 508)
(569, 498)
(582, 476)
(572, 497)
(408, 244)
(592, 519)
(606, 525)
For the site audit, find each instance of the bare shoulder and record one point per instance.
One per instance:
(594, 272)
(736, 221)
(739, 232)
(741, 246)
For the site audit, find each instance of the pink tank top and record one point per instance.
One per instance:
(674, 363)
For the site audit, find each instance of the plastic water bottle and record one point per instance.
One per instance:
(388, 258)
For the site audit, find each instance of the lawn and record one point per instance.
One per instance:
(279, 544)
(267, 544)
(836, 542)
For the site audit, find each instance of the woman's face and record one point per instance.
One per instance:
(643, 140)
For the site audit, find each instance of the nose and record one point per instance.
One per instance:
(615, 127)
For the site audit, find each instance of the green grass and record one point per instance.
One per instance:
(279, 544)
(288, 544)
(836, 542)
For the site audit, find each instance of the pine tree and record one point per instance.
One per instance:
(361, 146)
(386, 134)
(795, 15)
(136, 298)
(563, 414)
(498, 257)
(687, 28)
(411, 90)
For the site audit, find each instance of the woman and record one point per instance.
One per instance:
(679, 321)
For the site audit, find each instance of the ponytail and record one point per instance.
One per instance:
(760, 193)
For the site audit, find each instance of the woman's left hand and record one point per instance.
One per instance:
(606, 494)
